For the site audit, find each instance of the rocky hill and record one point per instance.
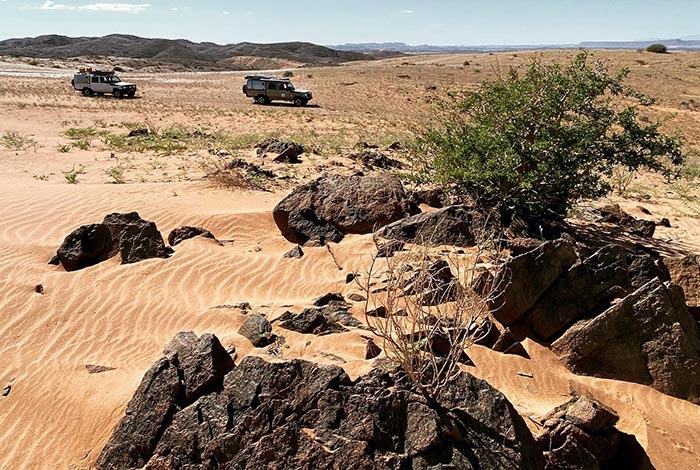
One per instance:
(179, 52)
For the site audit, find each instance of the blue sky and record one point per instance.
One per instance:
(462, 22)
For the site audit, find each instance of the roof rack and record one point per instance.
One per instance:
(95, 72)
(266, 77)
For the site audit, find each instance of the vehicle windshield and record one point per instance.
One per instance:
(113, 79)
(290, 87)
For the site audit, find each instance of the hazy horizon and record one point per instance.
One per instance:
(441, 22)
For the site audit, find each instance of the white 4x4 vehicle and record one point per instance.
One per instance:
(100, 82)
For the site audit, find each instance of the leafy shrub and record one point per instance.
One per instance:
(533, 144)
(657, 48)
(71, 175)
(12, 140)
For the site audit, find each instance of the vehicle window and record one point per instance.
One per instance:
(256, 85)
(95, 79)
(271, 86)
(103, 80)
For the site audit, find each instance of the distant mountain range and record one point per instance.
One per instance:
(180, 52)
(689, 43)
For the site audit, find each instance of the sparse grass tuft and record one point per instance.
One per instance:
(71, 175)
(15, 141)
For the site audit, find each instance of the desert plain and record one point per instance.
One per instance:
(64, 165)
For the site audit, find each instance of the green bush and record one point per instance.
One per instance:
(657, 48)
(532, 144)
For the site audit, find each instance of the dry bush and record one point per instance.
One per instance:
(219, 173)
(427, 310)
(15, 141)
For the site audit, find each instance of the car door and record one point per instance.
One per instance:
(273, 92)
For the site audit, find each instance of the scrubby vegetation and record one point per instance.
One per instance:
(657, 48)
(15, 141)
(532, 144)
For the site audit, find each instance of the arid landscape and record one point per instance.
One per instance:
(76, 345)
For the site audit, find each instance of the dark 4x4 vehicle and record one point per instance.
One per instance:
(265, 89)
(101, 82)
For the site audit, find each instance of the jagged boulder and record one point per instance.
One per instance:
(136, 239)
(453, 225)
(85, 246)
(303, 415)
(685, 272)
(581, 434)
(311, 321)
(613, 214)
(181, 234)
(586, 289)
(258, 330)
(352, 204)
(649, 337)
(522, 280)
(287, 152)
(191, 368)
(305, 225)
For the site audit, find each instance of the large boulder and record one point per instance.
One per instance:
(306, 225)
(613, 214)
(685, 272)
(136, 239)
(586, 289)
(352, 204)
(258, 330)
(191, 368)
(453, 225)
(522, 280)
(581, 434)
(85, 246)
(649, 337)
(302, 415)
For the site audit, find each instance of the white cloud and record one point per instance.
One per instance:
(118, 7)
(407, 12)
(227, 13)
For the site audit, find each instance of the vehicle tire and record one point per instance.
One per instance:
(261, 99)
(131, 95)
(87, 92)
(298, 102)
(117, 94)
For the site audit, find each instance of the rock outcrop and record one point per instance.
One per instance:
(352, 204)
(581, 434)
(258, 330)
(85, 246)
(301, 415)
(453, 225)
(648, 337)
(137, 239)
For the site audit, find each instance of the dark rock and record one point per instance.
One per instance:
(6, 391)
(97, 369)
(649, 337)
(138, 239)
(39, 288)
(137, 133)
(55, 260)
(352, 204)
(305, 225)
(290, 150)
(482, 282)
(328, 298)
(201, 361)
(431, 197)
(300, 415)
(338, 312)
(644, 268)
(454, 225)
(258, 330)
(250, 168)
(522, 280)
(85, 246)
(350, 278)
(295, 252)
(664, 223)
(585, 290)
(508, 344)
(379, 312)
(181, 234)
(581, 434)
(520, 246)
(371, 159)
(612, 213)
(434, 283)
(147, 415)
(485, 334)
(372, 350)
(310, 321)
(394, 146)
(388, 249)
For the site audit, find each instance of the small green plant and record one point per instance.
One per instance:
(41, 177)
(82, 144)
(71, 175)
(657, 48)
(12, 140)
(78, 133)
(33, 62)
(63, 148)
(116, 173)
